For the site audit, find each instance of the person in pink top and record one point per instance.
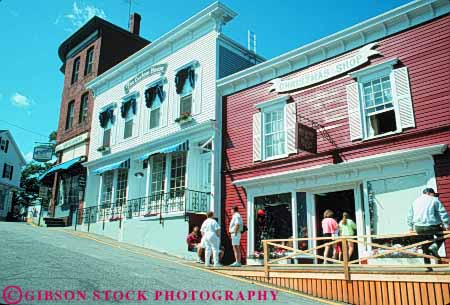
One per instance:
(329, 226)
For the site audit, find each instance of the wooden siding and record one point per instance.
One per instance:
(230, 62)
(423, 49)
(373, 288)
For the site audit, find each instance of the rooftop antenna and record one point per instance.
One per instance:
(251, 41)
(130, 4)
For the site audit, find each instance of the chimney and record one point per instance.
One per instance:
(135, 23)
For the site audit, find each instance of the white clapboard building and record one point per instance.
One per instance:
(11, 163)
(154, 150)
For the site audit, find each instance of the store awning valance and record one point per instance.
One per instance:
(112, 166)
(183, 146)
(62, 166)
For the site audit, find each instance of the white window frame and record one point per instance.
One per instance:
(369, 74)
(269, 106)
(195, 107)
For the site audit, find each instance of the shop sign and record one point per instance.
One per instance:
(307, 138)
(43, 153)
(318, 75)
(72, 142)
(156, 69)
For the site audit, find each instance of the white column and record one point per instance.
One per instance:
(294, 217)
(311, 220)
(250, 224)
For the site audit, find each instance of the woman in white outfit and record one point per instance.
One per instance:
(211, 232)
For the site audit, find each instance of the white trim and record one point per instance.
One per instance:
(127, 97)
(385, 65)
(272, 102)
(334, 169)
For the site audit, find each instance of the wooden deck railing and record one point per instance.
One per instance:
(363, 240)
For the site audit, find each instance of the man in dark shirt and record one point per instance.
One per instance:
(194, 243)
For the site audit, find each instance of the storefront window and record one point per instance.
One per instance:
(177, 174)
(390, 200)
(273, 218)
(158, 168)
(107, 186)
(121, 190)
(68, 191)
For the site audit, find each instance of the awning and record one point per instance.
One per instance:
(62, 166)
(112, 166)
(183, 146)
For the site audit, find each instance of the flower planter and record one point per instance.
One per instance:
(104, 149)
(183, 120)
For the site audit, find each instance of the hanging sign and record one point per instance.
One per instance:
(156, 69)
(336, 68)
(42, 153)
(307, 138)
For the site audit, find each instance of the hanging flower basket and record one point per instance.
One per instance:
(115, 218)
(151, 214)
(184, 118)
(103, 149)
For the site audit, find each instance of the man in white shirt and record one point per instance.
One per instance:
(235, 230)
(211, 231)
(428, 217)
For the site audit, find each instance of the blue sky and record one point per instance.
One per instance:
(31, 31)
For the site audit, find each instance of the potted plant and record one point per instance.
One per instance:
(184, 117)
(103, 149)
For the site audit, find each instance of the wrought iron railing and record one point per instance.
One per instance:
(157, 205)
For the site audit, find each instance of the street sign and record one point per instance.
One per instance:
(43, 153)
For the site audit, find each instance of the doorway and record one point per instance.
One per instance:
(339, 202)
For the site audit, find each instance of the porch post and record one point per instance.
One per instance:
(250, 224)
(294, 218)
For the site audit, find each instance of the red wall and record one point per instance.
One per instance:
(423, 49)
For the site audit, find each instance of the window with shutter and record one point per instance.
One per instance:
(379, 103)
(11, 170)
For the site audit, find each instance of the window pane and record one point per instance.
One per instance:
(178, 171)
(274, 141)
(158, 169)
(154, 118)
(121, 190)
(186, 104)
(106, 137)
(128, 131)
(107, 184)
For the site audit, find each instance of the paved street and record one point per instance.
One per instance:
(77, 267)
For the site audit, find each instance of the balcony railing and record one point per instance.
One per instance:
(157, 205)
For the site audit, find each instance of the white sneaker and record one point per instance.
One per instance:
(218, 265)
(235, 264)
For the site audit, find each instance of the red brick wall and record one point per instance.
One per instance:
(423, 49)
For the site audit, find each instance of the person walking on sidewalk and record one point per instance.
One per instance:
(211, 232)
(428, 217)
(236, 226)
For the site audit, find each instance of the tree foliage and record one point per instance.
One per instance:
(29, 182)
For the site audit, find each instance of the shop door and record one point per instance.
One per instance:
(205, 183)
(338, 202)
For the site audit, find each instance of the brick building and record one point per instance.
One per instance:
(358, 121)
(93, 49)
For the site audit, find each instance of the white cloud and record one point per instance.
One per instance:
(20, 101)
(29, 156)
(82, 13)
